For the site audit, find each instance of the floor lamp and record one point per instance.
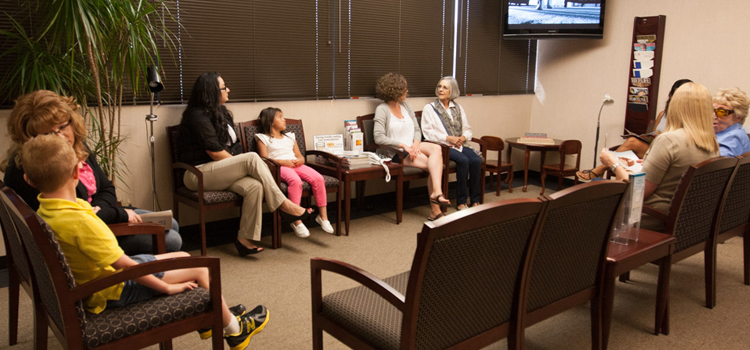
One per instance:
(154, 85)
(607, 100)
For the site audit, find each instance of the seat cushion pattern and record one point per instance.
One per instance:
(367, 315)
(210, 197)
(114, 324)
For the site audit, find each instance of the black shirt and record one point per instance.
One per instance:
(198, 135)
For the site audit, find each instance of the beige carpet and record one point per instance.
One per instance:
(280, 279)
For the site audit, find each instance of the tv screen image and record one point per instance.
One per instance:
(554, 18)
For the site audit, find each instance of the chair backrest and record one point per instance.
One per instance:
(366, 123)
(569, 254)
(692, 212)
(570, 147)
(736, 210)
(467, 267)
(16, 254)
(50, 271)
(250, 128)
(493, 144)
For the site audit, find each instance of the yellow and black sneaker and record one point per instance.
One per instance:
(237, 310)
(250, 324)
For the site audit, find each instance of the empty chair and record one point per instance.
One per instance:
(496, 144)
(567, 147)
(736, 212)
(465, 272)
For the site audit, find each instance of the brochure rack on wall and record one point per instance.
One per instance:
(645, 68)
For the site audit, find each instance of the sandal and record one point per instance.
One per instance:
(436, 200)
(438, 216)
(305, 215)
(588, 174)
(243, 251)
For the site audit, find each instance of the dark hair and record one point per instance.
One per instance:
(206, 96)
(265, 120)
(675, 86)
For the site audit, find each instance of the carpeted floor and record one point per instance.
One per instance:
(280, 279)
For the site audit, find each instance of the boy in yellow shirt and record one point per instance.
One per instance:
(91, 248)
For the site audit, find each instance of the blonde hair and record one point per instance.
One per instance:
(50, 162)
(736, 98)
(36, 113)
(691, 109)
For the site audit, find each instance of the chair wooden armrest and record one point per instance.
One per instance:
(655, 213)
(190, 168)
(131, 272)
(328, 168)
(480, 142)
(317, 265)
(143, 228)
(274, 168)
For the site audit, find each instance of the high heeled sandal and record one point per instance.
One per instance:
(436, 200)
(305, 215)
(588, 174)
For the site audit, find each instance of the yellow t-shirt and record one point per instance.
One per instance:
(87, 243)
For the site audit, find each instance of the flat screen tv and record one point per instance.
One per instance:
(546, 19)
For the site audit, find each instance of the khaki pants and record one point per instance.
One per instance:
(247, 175)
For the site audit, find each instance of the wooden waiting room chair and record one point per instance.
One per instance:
(567, 147)
(735, 216)
(464, 274)
(366, 123)
(201, 200)
(333, 183)
(692, 220)
(495, 144)
(569, 254)
(156, 321)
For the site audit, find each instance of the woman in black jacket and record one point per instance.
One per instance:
(45, 112)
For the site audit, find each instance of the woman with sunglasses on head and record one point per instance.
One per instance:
(45, 112)
(688, 140)
(730, 110)
(208, 141)
(637, 143)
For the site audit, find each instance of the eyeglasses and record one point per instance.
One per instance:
(224, 88)
(60, 129)
(723, 113)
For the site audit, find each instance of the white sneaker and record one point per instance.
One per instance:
(324, 224)
(301, 230)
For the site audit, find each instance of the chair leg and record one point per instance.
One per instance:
(166, 345)
(625, 277)
(544, 176)
(13, 295)
(607, 305)
(596, 323)
(203, 231)
(338, 212)
(509, 180)
(40, 324)
(317, 343)
(745, 251)
(661, 324)
(710, 273)
(497, 181)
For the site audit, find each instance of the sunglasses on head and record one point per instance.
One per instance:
(723, 113)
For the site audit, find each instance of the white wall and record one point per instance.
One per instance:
(704, 41)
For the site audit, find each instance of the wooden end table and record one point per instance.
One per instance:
(513, 142)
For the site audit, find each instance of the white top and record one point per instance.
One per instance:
(282, 148)
(401, 130)
(232, 135)
(433, 129)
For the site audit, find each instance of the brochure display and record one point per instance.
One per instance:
(644, 72)
(628, 219)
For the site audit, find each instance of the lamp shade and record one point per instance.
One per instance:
(154, 81)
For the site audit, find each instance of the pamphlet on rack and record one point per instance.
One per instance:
(353, 137)
(629, 161)
(329, 143)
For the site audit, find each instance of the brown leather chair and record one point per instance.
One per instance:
(496, 166)
(60, 299)
(333, 183)
(483, 247)
(567, 147)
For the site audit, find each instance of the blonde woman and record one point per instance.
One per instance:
(730, 111)
(688, 140)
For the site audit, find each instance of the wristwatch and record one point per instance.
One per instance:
(614, 167)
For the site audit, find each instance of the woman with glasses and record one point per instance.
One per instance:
(45, 112)
(444, 121)
(730, 110)
(208, 141)
(637, 143)
(688, 140)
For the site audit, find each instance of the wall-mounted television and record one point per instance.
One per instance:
(546, 19)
